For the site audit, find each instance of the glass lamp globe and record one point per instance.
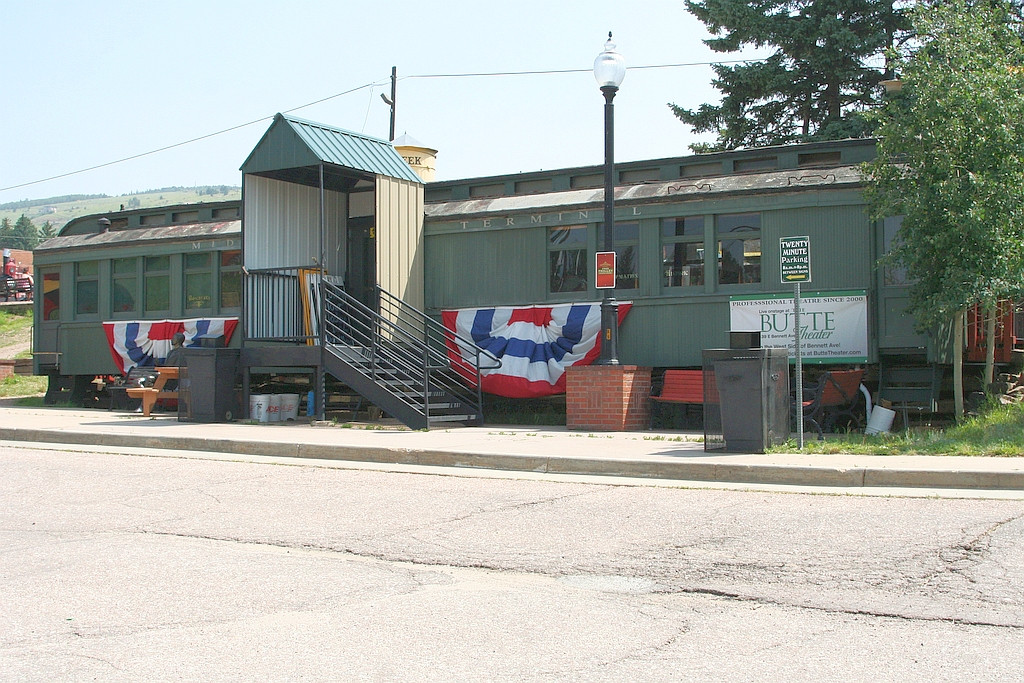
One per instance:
(609, 67)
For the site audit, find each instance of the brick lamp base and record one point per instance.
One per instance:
(612, 398)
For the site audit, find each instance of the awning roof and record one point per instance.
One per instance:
(292, 143)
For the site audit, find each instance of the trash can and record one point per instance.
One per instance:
(209, 341)
(206, 388)
(746, 399)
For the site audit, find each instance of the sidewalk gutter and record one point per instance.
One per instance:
(677, 470)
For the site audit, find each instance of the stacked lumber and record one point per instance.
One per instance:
(1009, 386)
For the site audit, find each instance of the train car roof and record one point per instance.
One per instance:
(178, 222)
(790, 180)
(115, 237)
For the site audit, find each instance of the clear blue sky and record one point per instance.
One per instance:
(86, 83)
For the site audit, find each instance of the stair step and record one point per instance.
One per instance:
(453, 418)
(352, 354)
(395, 364)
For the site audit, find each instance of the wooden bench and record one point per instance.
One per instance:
(20, 288)
(834, 395)
(150, 395)
(680, 387)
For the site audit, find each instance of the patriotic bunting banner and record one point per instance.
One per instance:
(535, 344)
(147, 342)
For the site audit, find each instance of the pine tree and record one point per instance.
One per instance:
(47, 231)
(24, 235)
(823, 73)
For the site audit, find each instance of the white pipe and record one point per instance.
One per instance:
(867, 401)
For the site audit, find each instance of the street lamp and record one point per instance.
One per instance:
(609, 70)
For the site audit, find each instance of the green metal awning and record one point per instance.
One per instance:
(292, 143)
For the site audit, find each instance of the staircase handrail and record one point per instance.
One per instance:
(421, 344)
(440, 330)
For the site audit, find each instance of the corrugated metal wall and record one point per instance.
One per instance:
(282, 225)
(283, 295)
(400, 239)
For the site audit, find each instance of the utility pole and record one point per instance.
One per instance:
(390, 101)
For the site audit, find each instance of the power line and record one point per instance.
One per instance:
(347, 92)
(129, 158)
(548, 72)
(179, 144)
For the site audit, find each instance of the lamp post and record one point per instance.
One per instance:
(609, 70)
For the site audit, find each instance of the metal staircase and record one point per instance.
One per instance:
(398, 358)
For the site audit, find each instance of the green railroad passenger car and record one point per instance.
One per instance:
(693, 237)
(167, 263)
(697, 242)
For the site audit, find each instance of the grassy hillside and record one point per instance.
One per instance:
(59, 212)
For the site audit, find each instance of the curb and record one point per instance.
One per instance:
(793, 475)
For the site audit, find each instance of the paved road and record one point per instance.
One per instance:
(155, 566)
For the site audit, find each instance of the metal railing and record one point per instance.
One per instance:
(281, 304)
(409, 356)
(427, 366)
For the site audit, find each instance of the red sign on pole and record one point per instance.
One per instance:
(606, 270)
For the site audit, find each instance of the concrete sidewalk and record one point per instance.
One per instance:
(675, 456)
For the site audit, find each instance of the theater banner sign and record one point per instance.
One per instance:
(833, 325)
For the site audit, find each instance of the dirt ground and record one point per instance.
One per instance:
(13, 344)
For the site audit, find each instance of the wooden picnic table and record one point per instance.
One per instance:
(150, 395)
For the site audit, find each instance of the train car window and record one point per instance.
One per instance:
(535, 186)
(184, 216)
(51, 294)
(229, 212)
(627, 253)
(230, 279)
(819, 159)
(495, 190)
(87, 287)
(759, 164)
(567, 259)
(582, 182)
(197, 261)
(682, 251)
(643, 175)
(700, 170)
(739, 248)
(198, 281)
(158, 283)
(124, 285)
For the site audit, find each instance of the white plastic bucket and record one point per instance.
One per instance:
(258, 407)
(880, 420)
(289, 406)
(274, 408)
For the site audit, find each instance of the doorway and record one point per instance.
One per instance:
(361, 256)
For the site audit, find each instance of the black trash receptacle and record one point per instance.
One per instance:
(206, 388)
(746, 402)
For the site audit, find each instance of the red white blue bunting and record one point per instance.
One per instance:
(147, 342)
(535, 344)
